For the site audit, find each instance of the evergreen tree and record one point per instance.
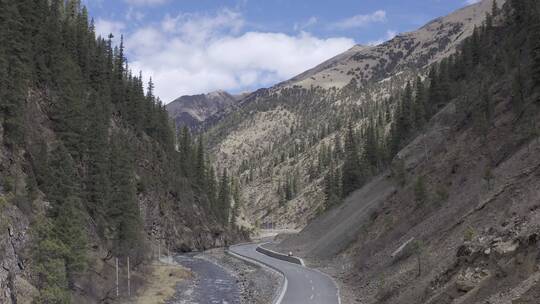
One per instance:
(420, 192)
(50, 268)
(352, 176)
(224, 198)
(405, 120)
(201, 165)
(62, 190)
(518, 95)
(211, 187)
(14, 71)
(237, 199)
(98, 184)
(420, 112)
(372, 154)
(123, 209)
(434, 92)
(68, 109)
(331, 187)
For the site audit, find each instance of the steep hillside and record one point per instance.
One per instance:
(284, 140)
(432, 42)
(89, 171)
(193, 111)
(455, 219)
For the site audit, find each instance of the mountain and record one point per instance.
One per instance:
(279, 140)
(192, 111)
(454, 215)
(89, 170)
(407, 51)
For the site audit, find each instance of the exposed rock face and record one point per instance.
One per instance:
(14, 285)
(278, 133)
(468, 279)
(192, 111)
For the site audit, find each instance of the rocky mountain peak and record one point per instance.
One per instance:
(193, 110)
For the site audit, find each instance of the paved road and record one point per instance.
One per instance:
(305, 285)
(212, 285)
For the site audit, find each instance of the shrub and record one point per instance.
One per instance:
(469, 234)
(420, 192)
(442, 194)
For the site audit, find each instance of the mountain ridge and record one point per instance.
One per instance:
(193, 110)
(268, 139)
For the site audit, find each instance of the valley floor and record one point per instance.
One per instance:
(213, 277)
(161, 283)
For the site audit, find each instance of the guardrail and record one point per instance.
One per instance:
(280, 256)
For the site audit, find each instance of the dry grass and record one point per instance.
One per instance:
(160, 284)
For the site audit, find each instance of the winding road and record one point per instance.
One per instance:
(303, 285)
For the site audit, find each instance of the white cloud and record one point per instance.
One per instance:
(389, 35)
(202, 27)
(134, 15)
(105, 27)
(360, 20)
(190, 54)
(145, 2)
(471, 2)
(304, 25)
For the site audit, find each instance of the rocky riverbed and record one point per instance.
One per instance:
(221, 278)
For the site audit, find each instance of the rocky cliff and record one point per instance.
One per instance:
(193, 111)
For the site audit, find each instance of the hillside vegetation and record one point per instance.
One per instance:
(454, 215)
(289, 143)
(90, 165)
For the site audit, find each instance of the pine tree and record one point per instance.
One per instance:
(420, 112)
(371, 148)
(201, 165)
(488, 106)
(224, 198)
(331, 187)
(518, 98)
(98, 184)
(62, 190)
(352, 176)
(211, 187)
(67, 112)
(420, 192)
(124, 210)
(237, 199)
(406, 117)
(434, 92)
(15, 80)
(50, 267)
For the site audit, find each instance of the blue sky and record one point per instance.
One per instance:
(197, 46)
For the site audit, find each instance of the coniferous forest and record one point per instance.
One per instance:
(87, 137)
(466, 76)
(92, 169)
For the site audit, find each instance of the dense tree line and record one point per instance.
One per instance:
(99, 110)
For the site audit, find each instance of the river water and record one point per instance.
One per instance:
(211, 285)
